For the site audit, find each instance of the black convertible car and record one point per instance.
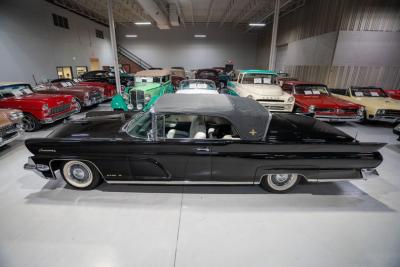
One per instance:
(201, 139)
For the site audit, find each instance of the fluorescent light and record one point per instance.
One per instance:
(131, 35)
(200, 36)
(143, 23)
(257, 24)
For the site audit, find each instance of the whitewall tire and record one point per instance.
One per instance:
(280, 183)
(80, 174)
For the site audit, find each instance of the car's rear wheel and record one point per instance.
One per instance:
(30, 123)
(81, 175)
(279, 183)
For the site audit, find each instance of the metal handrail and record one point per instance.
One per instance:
(125, 52)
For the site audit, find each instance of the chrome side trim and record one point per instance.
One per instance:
(329, 180)
(180, 182)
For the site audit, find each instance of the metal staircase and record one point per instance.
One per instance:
(128, 54)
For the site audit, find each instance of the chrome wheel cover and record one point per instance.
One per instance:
(78, 106)
(78, 174)
(282, 181)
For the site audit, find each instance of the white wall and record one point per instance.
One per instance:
(178, 47)
(31, 44)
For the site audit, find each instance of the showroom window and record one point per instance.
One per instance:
(60, 21)
(65, 72)
(99, 34)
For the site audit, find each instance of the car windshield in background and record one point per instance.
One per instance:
(369, 92)
(258, 78)
(66, 84)
(206, 85)
(15, 90)
(147, 79)
(311, 90)
(140, 125)
(207, 74)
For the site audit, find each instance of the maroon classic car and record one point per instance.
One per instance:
(38, 108)
(85, 95)
(315, 98)
(395, 94)
(208, 74)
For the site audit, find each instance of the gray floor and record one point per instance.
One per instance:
(46, 223)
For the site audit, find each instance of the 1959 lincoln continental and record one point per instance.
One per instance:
(201, 139)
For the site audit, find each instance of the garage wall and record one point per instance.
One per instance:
(341, 43)
(30, 44)
(178, 47)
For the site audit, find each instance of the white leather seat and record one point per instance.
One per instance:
(198, 128)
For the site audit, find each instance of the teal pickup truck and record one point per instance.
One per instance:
(148, 87)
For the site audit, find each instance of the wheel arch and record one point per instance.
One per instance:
(56, 164)
(261, 172)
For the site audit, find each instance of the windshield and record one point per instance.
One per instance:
(140, 79)
(15, 90)
(205, 85)
(369, 92)
(65, 84)
(311, 90)
(258, 78)
(140, 125)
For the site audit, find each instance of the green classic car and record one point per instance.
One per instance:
(148, 87)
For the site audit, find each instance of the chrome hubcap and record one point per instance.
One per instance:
(282, 181)
(28, 123)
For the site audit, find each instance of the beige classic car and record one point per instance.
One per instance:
(10, 125)
(378, 105)
(261, 85)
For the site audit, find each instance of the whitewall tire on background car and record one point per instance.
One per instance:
(80, 175)
(279, 183)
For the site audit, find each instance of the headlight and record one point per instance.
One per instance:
(147, 98)
(380, 112)
(130, 106)
(250, 96)
(45, 107)
(291, 99)
(125, 96)
(311, 108)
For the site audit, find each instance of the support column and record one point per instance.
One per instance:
(272, 54)
(114, 45)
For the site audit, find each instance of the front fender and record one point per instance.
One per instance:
(118, 102)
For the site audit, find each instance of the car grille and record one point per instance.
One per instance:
(270, 100)
(325, 110)
(392, 112)
(60, 109)
(332, 110)
(137, 97)
(275, 107)
(6, 130)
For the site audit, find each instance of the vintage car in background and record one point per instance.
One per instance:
(38, 108)
(261, 86)
(197, 86)
(109, 89)
(315, 98)
(85, 95)
(10, 125)
(107, 76)
(177, 75)
(282, 80)
(208, 74)
(393, 93)
(223, 76)
(201, 139)
(378, 105)
(149, 85)
(396, 131)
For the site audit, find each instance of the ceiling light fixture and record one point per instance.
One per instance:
(200, 36)
(131, 35)
(143, 23)
(257, 24)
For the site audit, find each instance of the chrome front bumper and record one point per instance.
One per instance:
(391, 119)
(277, 107)
(14, 135)
(58, 117)
(337, 118)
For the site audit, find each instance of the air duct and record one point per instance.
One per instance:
(151, 8)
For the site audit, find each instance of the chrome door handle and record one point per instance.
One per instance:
(202, 149)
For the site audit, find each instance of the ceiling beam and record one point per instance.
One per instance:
(210, 11)
(228, 12)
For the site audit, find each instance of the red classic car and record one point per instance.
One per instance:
(393, 93)
(85, 95)
(110, 89)
(38, 108)
(315, 98)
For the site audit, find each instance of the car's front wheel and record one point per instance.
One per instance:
(30, 123)
(81, 175)
(279, 183)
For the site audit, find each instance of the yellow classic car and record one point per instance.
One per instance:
(378, 105)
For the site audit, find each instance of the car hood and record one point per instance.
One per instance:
(101, 127)
(378, 102)
(325, 101)
(197, 91)
(50, 100)
(144, 86)
(261, 89)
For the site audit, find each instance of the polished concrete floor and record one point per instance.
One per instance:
(46, 223)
